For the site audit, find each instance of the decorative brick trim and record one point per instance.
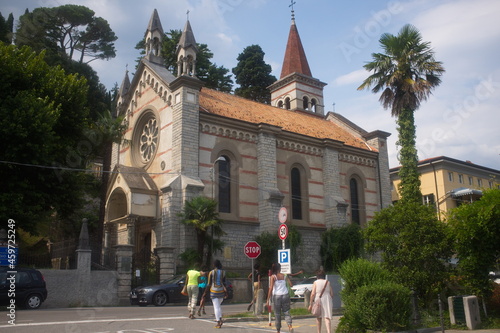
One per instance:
(227, 132)
(354, 159)
(299, 147)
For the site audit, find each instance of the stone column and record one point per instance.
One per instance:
(124, 270)
(167, 262)
(378, 139)
(84, 254)
(331, 179)
(270, 198)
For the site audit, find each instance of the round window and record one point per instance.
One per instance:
(145, 140)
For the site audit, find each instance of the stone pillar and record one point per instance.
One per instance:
(270, 198)
(378, 139)
(331, 179)
(167, 262)
(124, 270)
(84, 254)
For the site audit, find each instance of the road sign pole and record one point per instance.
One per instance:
(253, 284)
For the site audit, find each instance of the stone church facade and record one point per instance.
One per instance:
(184, 140)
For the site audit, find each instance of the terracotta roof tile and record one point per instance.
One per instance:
(235, 107)
(295, 60)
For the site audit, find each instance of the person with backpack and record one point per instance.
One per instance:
(216, 287)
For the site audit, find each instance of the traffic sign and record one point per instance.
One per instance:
(252, 250)
(283, 231)
(285, 261)
(283, 215)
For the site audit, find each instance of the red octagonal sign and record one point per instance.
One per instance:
(252, 250)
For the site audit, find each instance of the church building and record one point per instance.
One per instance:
(184, 140)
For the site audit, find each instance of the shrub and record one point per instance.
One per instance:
(372, 300)
(360, 272)
(384, 306)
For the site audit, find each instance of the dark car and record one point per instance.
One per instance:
(25, 285)
(168, 291)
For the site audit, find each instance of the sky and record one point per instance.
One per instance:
(461, 119)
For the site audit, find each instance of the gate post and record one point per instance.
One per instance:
(167, 262)
(124, 270)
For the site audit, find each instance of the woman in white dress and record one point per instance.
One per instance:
(323, 292)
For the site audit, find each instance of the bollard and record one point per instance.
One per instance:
(307, 298)
(259, 306)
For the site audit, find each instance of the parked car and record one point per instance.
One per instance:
(168, 291)
(300, 288)
(29, 289)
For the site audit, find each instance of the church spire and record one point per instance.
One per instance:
(297, 89)
(186, 52)
(153, 38)
(295, 60)
(125, 86)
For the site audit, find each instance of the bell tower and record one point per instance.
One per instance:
(297, 89)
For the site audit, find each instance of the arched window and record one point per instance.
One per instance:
(296, 192)
(280, 104)
(355, 207)
(313, 105)
(224, 184)
(305, 101)
(287, 103)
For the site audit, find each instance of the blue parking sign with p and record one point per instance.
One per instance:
(285, 261)
(284, 256)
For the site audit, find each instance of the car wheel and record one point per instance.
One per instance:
(33, 302)
(160, 298)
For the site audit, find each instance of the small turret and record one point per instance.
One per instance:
(153, 39)
(186, 52)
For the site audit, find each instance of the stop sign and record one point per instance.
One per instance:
(252, 250)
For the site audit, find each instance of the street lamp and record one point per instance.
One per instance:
(220, 158)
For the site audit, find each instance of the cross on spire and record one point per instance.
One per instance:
(292, 2)
(187, 14)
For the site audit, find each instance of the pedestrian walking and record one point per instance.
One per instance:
(322, 293)
(216, 285)
(254, 277)
(280, 297)
(192, 277)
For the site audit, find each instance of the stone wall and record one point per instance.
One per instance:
(62, 288)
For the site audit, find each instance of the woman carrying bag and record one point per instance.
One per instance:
(322, 294)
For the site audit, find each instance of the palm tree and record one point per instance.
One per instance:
(406, 74)
(201, 213)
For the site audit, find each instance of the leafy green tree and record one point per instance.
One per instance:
(476, 230)
(339, 245)
(43, 115)
(253, 75)
(201, 213)
(406, 74)
(66, 30)
(269, 246)
(6, 27)
(415, 246)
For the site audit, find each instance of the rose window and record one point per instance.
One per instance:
(148, 140)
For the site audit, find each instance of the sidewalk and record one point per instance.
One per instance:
(308, 323)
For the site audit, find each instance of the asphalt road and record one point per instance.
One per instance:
(132, 319)
(151, 319)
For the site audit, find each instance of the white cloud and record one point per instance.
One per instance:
(355, 77)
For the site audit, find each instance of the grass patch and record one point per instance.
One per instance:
(249, 314)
